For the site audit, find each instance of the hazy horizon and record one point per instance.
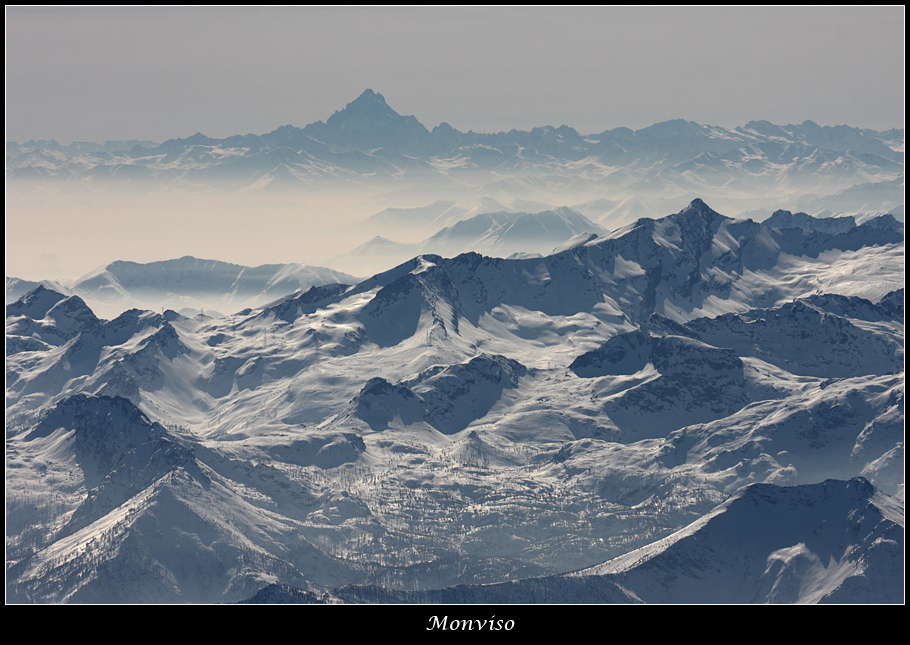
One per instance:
(157, 73)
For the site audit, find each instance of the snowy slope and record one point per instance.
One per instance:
(836, 541)
(459, 421)
(832, 542)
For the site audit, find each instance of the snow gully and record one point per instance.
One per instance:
(490, 625)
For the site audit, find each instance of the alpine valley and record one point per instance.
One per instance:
(687, 408)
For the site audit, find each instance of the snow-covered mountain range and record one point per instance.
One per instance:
(627, 409)
(188, 284)
(368, 145)
(498, 234)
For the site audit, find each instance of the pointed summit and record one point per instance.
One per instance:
(699, 209)
(369, 96)
(36, 303)
(697, 204)
(368, 123)
(697, 224)
(368, 106)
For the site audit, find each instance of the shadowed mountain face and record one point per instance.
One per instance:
(767, 544)
(448, 399)
(471, 429)
(368, 122)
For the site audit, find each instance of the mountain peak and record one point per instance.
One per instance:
(370, 95)
(698, 220)
(36, 303)
(368, 123)
(369, 100)
(698, 207)
(369, 106)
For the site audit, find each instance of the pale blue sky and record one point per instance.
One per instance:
(95, 74)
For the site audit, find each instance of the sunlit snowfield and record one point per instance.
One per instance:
(368, 361)
(466, 421)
